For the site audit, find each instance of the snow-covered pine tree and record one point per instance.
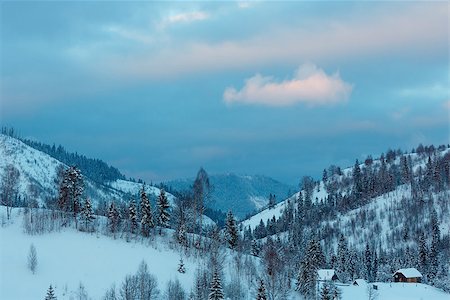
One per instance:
(312, 261)
(163, 210)
(87, 214)
(70, 190)
(132, 216)
(433, 254)
(50, 294)
(113, 217)
(182, 235)
(272, 201)
(375, 266)
(181, 267)
(368, 263)
(216, 291)
(231, 230)
(336, 293)
(146, 212)
(423, 254)
(342, 259)
(255, 248)
(325, 292)
(261, 291)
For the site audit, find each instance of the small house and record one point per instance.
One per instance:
(359, 282)
(326, 275)
(407, 275)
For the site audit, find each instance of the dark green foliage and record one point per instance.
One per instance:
(216, 291)
(50, 294)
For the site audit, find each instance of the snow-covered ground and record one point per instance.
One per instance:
(394, 291)
(35, 167)
(134, 188)
(69, 257)
(268, 213)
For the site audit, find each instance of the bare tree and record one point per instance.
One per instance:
(9, 188)
(32, 259)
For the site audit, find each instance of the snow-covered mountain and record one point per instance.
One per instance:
(320, 193)
(39, 175)
(243, 194)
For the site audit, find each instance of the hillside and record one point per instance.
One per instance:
(320, 193)
(370, 219)
(40, 175)
(98, 262)
(95, 260)
(240, 193)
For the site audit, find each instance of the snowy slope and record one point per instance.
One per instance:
(395, 291)
(39, 170)
(134, 189)
(266, 214)
(35, 167)
(320, 193)
(69, 257)
(377, 208)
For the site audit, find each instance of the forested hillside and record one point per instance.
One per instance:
(362, 222)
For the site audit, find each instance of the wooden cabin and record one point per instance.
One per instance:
(326, 275)
(407, 275)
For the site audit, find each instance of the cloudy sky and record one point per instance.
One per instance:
(282, 89)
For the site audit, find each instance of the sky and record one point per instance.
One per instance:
(284, 89)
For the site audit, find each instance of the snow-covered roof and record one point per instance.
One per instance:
(360, 282)
(409, 272)
(325, 274)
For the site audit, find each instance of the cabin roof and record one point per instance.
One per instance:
(325, 274)
(409, 273)
(359, 282)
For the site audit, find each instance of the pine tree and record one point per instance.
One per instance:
(113, 217)
(216, 292)
(435, 240)
(261, 291)
(406, 174)
(181, 267)
(312, 261)
(86, 214)
(368, 263)
(232, 234)
(50, 294)
(272, 201)
(132, 216)
(255, 248)
(146, 211)
(375, 267)
(423, 254)
(325, 292)
(335, 292)
(163, 210)
(182, 235)
(70, 190)
(357, 182)
(342, 258)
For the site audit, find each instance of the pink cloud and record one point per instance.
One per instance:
(383, 32)
(309, 85)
